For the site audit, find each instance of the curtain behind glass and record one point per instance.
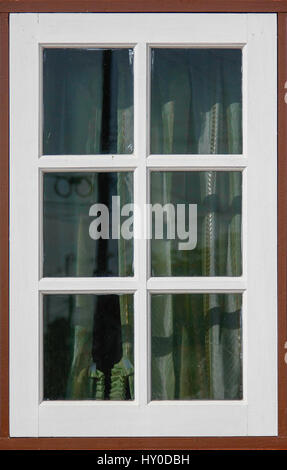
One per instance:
(184, 121)
(196, 101)
(125, 190)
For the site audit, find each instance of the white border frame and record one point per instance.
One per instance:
(256, 414)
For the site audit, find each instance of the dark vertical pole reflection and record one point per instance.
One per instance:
(107, 338)
(107, 342)
(102, 252)
(110, 98)
(107, 346)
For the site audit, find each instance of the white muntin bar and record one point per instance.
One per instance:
(140, 198)
(196, 284)
(88, 284)
(197, 162)
(87, 162)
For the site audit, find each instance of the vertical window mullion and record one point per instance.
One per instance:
(141, 74)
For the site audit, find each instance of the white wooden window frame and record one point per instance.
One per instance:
(256, 414)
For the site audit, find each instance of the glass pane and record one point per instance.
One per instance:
(78, 209)
(88, 347)
(88, 101)
(196, 347)
(196, 101)
(200, 233)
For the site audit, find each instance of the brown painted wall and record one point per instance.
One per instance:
(276, 6)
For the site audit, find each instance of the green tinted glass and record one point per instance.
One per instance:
(78, 237)
(196, 101)
(196, 347)
(88, 347)
(200, 216)
(88, 101)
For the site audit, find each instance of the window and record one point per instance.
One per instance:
(171, 332)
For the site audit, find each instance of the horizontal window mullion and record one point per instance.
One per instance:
(78, 285)
(196, 284)
(57, 162)
(87, 162)
(210, 162)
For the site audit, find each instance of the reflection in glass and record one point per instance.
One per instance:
(88, 101)
(217, 196)
(88, 347)
(196, 101)
(196, 347)
(69, 249)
